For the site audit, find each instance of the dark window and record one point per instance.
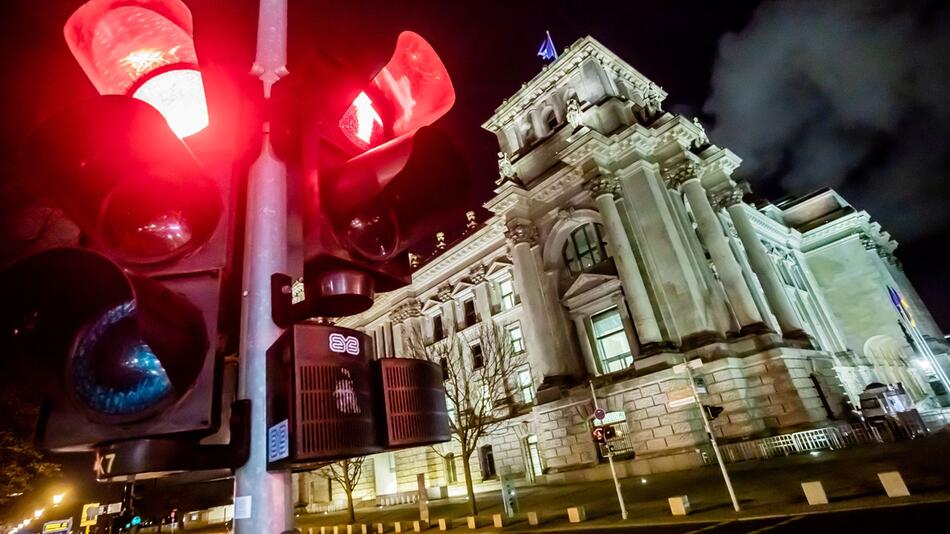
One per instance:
(438, 332)
(486, 460)
(451, 476)
(585, 248)
(471, 317)
(478, 361)
(444, 363)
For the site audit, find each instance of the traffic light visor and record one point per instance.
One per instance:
(413, 90)
(143, 48)
(124, 346)
(118, 171)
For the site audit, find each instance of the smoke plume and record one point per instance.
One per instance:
(853, 95)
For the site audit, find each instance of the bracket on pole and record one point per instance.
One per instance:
(156, 457)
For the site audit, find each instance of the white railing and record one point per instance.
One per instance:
(827, 438)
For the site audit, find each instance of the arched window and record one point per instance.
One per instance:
(585, 248)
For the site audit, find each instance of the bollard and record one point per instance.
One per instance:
(309, 530)
(576, 514)
(498, 520)
(893, 484)
(364, 528)
(814, 492)
(534, 519)
(379, 528)
(472, 522)
(323, 530)
(679, 505)
(397, 526)
(443, 524)
(336, 529)
(419, 526)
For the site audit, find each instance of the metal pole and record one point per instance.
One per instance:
(712, 437)
(610, 459)
(262, 502)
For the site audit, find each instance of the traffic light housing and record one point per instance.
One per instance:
(128, 330)
(712, 411)
(609, 432)
(376, 175)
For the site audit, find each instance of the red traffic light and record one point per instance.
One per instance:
(117, 170)
(144, 49)
(413, 90)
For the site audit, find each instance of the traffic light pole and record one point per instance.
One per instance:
(711, 435)
(610, 458)
(262, 502)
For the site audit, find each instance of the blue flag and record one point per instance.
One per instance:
(547, 50)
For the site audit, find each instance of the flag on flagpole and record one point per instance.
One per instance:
(547, 50)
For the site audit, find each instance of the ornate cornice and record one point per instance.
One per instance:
(409, 308)
(477, 273)
(558, 73)
(682, 172)
(521, 232)
(444, 293)
(603, 183)
(727, 197)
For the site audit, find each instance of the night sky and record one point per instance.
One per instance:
(811, 94)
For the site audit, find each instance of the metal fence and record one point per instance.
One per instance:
(836, 437)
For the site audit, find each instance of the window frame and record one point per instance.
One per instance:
(603, 361)
(516, 325)
(595, 251)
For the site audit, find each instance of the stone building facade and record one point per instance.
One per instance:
(619, 245)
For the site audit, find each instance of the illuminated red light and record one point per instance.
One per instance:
(416, 89)
(361, 123)
(142, 48)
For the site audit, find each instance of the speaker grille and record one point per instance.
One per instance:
(335, 411)
(414, 402)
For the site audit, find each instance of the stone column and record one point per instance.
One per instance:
(762, 265)
(583, 336)
(388, 339)
(604, 188)
(685, 177)
(407, 327)
(482, 292)
(540, 329)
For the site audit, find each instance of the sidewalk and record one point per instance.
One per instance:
(764, 488)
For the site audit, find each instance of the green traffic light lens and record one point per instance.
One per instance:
(114, 372)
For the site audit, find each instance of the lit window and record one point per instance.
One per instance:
(585, 248)
(507, 289)
(517, 337)
(526, 385)
(451, 475)
(611, 341)
(486, 399)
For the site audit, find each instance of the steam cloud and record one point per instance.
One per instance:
(853, 95)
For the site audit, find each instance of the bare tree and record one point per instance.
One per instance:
(480, 372)
(347, 474)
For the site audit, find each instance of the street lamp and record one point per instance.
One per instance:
(38, 513)
(58, 499)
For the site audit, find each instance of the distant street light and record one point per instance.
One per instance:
(58, 499)
(38, 513)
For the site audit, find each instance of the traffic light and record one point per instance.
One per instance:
(599, 435)
(377, 176)
(712, 411)
(144, 49)
(122, 336)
